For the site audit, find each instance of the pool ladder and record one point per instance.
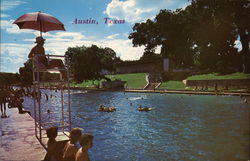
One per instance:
(64, 124)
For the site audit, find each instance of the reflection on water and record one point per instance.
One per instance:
(181, 127)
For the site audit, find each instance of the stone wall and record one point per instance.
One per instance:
(240, 83)
(115, 84)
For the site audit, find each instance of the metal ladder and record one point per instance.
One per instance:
(64, 122)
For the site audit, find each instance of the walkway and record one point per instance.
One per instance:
(189, 92)
(151, 86)
(17, 138)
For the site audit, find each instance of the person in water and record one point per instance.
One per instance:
(71, 148)
(86, 141)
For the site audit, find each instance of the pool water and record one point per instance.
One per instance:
(181, 127)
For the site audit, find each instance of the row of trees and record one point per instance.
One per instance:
(202, 35)
(7, 79)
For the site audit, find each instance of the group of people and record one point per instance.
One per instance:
(14, 99)
(70, 151)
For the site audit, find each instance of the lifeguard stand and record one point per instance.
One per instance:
(61, 118)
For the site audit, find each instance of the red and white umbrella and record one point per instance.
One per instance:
(39, 21)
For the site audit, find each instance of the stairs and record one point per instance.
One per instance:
(151, 86)
(153, 81)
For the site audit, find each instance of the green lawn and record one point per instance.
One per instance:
(178, 85)
(137, 80)
(217, 76)
(134, 80)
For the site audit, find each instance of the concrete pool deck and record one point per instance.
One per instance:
(17, 138)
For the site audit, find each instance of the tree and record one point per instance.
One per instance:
(7, 79)
(220, 23)
(147, 55)
(86, 63)
(26, 74)
(202, 34)
(145, 33)
(174, 30)
(169, 29)
(108, 59)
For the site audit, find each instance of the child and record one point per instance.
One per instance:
(71, 148)
(86, 141)
(52, 145)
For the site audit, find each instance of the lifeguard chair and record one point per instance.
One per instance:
(61, 116)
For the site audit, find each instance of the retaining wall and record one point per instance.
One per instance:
(240, 83)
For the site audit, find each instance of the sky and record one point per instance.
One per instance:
(16, 43)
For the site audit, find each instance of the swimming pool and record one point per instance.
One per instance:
(181, 127)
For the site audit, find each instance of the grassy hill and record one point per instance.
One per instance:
(174, 85)
(134, 80)
(179, 85)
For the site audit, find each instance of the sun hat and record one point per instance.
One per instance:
(40, 39)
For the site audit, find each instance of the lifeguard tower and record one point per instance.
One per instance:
(61, 115)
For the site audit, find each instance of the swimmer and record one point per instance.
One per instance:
(106, 109)
(47, 97)
(101, 108)
(245, 100)
(145, 109)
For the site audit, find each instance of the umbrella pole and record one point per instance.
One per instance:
(41, 28)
